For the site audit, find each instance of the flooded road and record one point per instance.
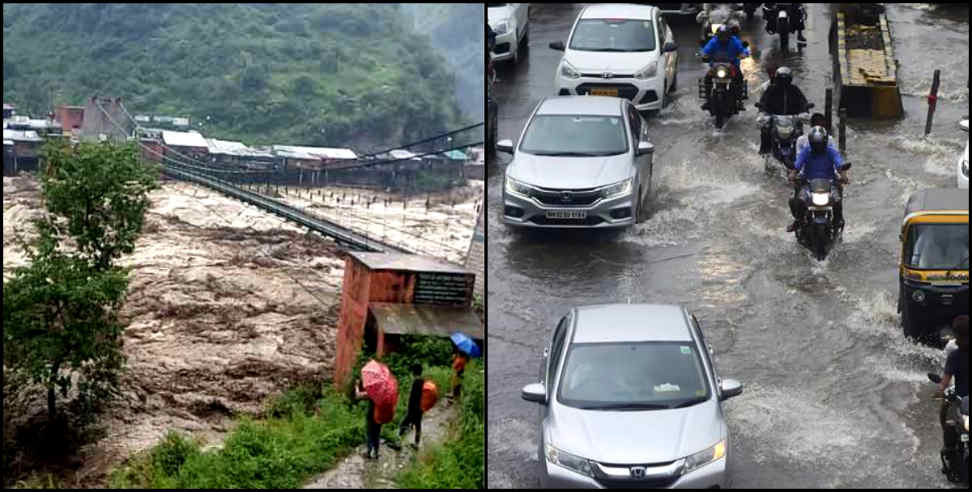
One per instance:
(834, 395)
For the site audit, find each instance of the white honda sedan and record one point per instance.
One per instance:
(511, 23)
(619, 50)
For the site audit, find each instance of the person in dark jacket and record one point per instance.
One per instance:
(372, 427)
(957, 368)
(780, 98)
(414, 415)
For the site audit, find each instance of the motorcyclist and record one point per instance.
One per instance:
(957, 366)
(782, 97)
(727, 48)
(794, 10)
(819, 161)
(816, 119)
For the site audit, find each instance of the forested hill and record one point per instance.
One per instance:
(333, 74)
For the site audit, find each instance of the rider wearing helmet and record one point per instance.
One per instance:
(794, 10)
(781, 97)
(819, 161)
(725, 47)
(816, 119)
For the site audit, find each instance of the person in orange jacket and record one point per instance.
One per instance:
(459, 361)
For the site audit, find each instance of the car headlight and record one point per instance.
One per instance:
(704, 457)
(569, 461)
(784, 131)
(918, 295)
(721, 73)
(647, 72)
(617, 189)
(965, 422)
(515, 187)
(501, 28)
(820, 199)
(567, 70)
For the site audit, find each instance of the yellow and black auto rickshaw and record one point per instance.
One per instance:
(933, 280)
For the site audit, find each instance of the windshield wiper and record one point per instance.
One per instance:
(688, 403)
(626, 406)
(568, 154)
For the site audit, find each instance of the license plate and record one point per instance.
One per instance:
(567, 214)
(604, 92)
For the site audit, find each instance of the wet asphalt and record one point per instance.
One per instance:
(834, 395)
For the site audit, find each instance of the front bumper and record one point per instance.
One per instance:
(709, 476)
(645, 94)
(506, 44)
(529, 212)
(940, 306)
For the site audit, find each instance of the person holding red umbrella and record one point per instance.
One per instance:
(379, 386)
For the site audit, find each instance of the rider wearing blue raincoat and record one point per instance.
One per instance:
(724, 47)
(817, 161)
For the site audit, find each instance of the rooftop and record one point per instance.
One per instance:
(401, 261)
(298, 152)
(184, 139)
(229, 147)
(631, 323)
(425, 319)
(21, 135)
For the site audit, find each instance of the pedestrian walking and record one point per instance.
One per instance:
(459, 361)
(372, 427)
(414, 416)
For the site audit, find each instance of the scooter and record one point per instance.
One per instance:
(818, 231)
(955, 462)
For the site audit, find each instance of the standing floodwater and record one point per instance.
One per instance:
(834, 395)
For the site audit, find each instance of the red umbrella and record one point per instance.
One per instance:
(380, 384)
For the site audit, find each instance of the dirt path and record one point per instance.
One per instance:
(355, 472)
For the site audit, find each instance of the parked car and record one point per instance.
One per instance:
(619, 50)
(629, 398)
(582, 161)
(511, 23)
(962, 170)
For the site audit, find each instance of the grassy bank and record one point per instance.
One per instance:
(303, 432)
(458, 463)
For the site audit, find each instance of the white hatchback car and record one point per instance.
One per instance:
(963, 163)
(619, 50)
(511, 23)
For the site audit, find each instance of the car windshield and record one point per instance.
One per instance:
(938, 246)
(645, 375)
(624, 35)
(577, 136)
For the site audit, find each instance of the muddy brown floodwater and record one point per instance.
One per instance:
(215, 326)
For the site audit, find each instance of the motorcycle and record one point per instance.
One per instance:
(784, 132)
(955, 462)
(818, 231)
(784, 18)
(722, 101)
(715, 17)
(750, 9)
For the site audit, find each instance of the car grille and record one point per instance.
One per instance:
(626, 91)
(651, 483)
(540, 219)
(555, 197)
(613, 75)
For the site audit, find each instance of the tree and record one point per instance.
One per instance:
(60, 312)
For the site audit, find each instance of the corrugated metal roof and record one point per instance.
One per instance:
(298, 152)
(455, 155)
(401, 154)
(21, 135)
(184, 139)
(407, 262)
(425, 319)
(229, 147)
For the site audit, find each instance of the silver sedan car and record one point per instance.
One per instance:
(629, 397)
(582, 161)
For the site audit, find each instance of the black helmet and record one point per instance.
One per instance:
(784, 76)
(733, 27)
(818, 139)
(817, 119)
(723, 33)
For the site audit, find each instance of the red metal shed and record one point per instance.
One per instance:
(387, 295)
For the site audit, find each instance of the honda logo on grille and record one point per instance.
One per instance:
(566, 196)
(607, 75)
(638, 471)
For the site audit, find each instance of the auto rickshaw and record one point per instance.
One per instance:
(933, 278)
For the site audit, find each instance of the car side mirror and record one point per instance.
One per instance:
(557, 45)
(505, 145)
(534, 392)
(964, 125)
(670, 46)
(645, 148)
(730, 388)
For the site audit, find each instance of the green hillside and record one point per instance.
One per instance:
(334, 74)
